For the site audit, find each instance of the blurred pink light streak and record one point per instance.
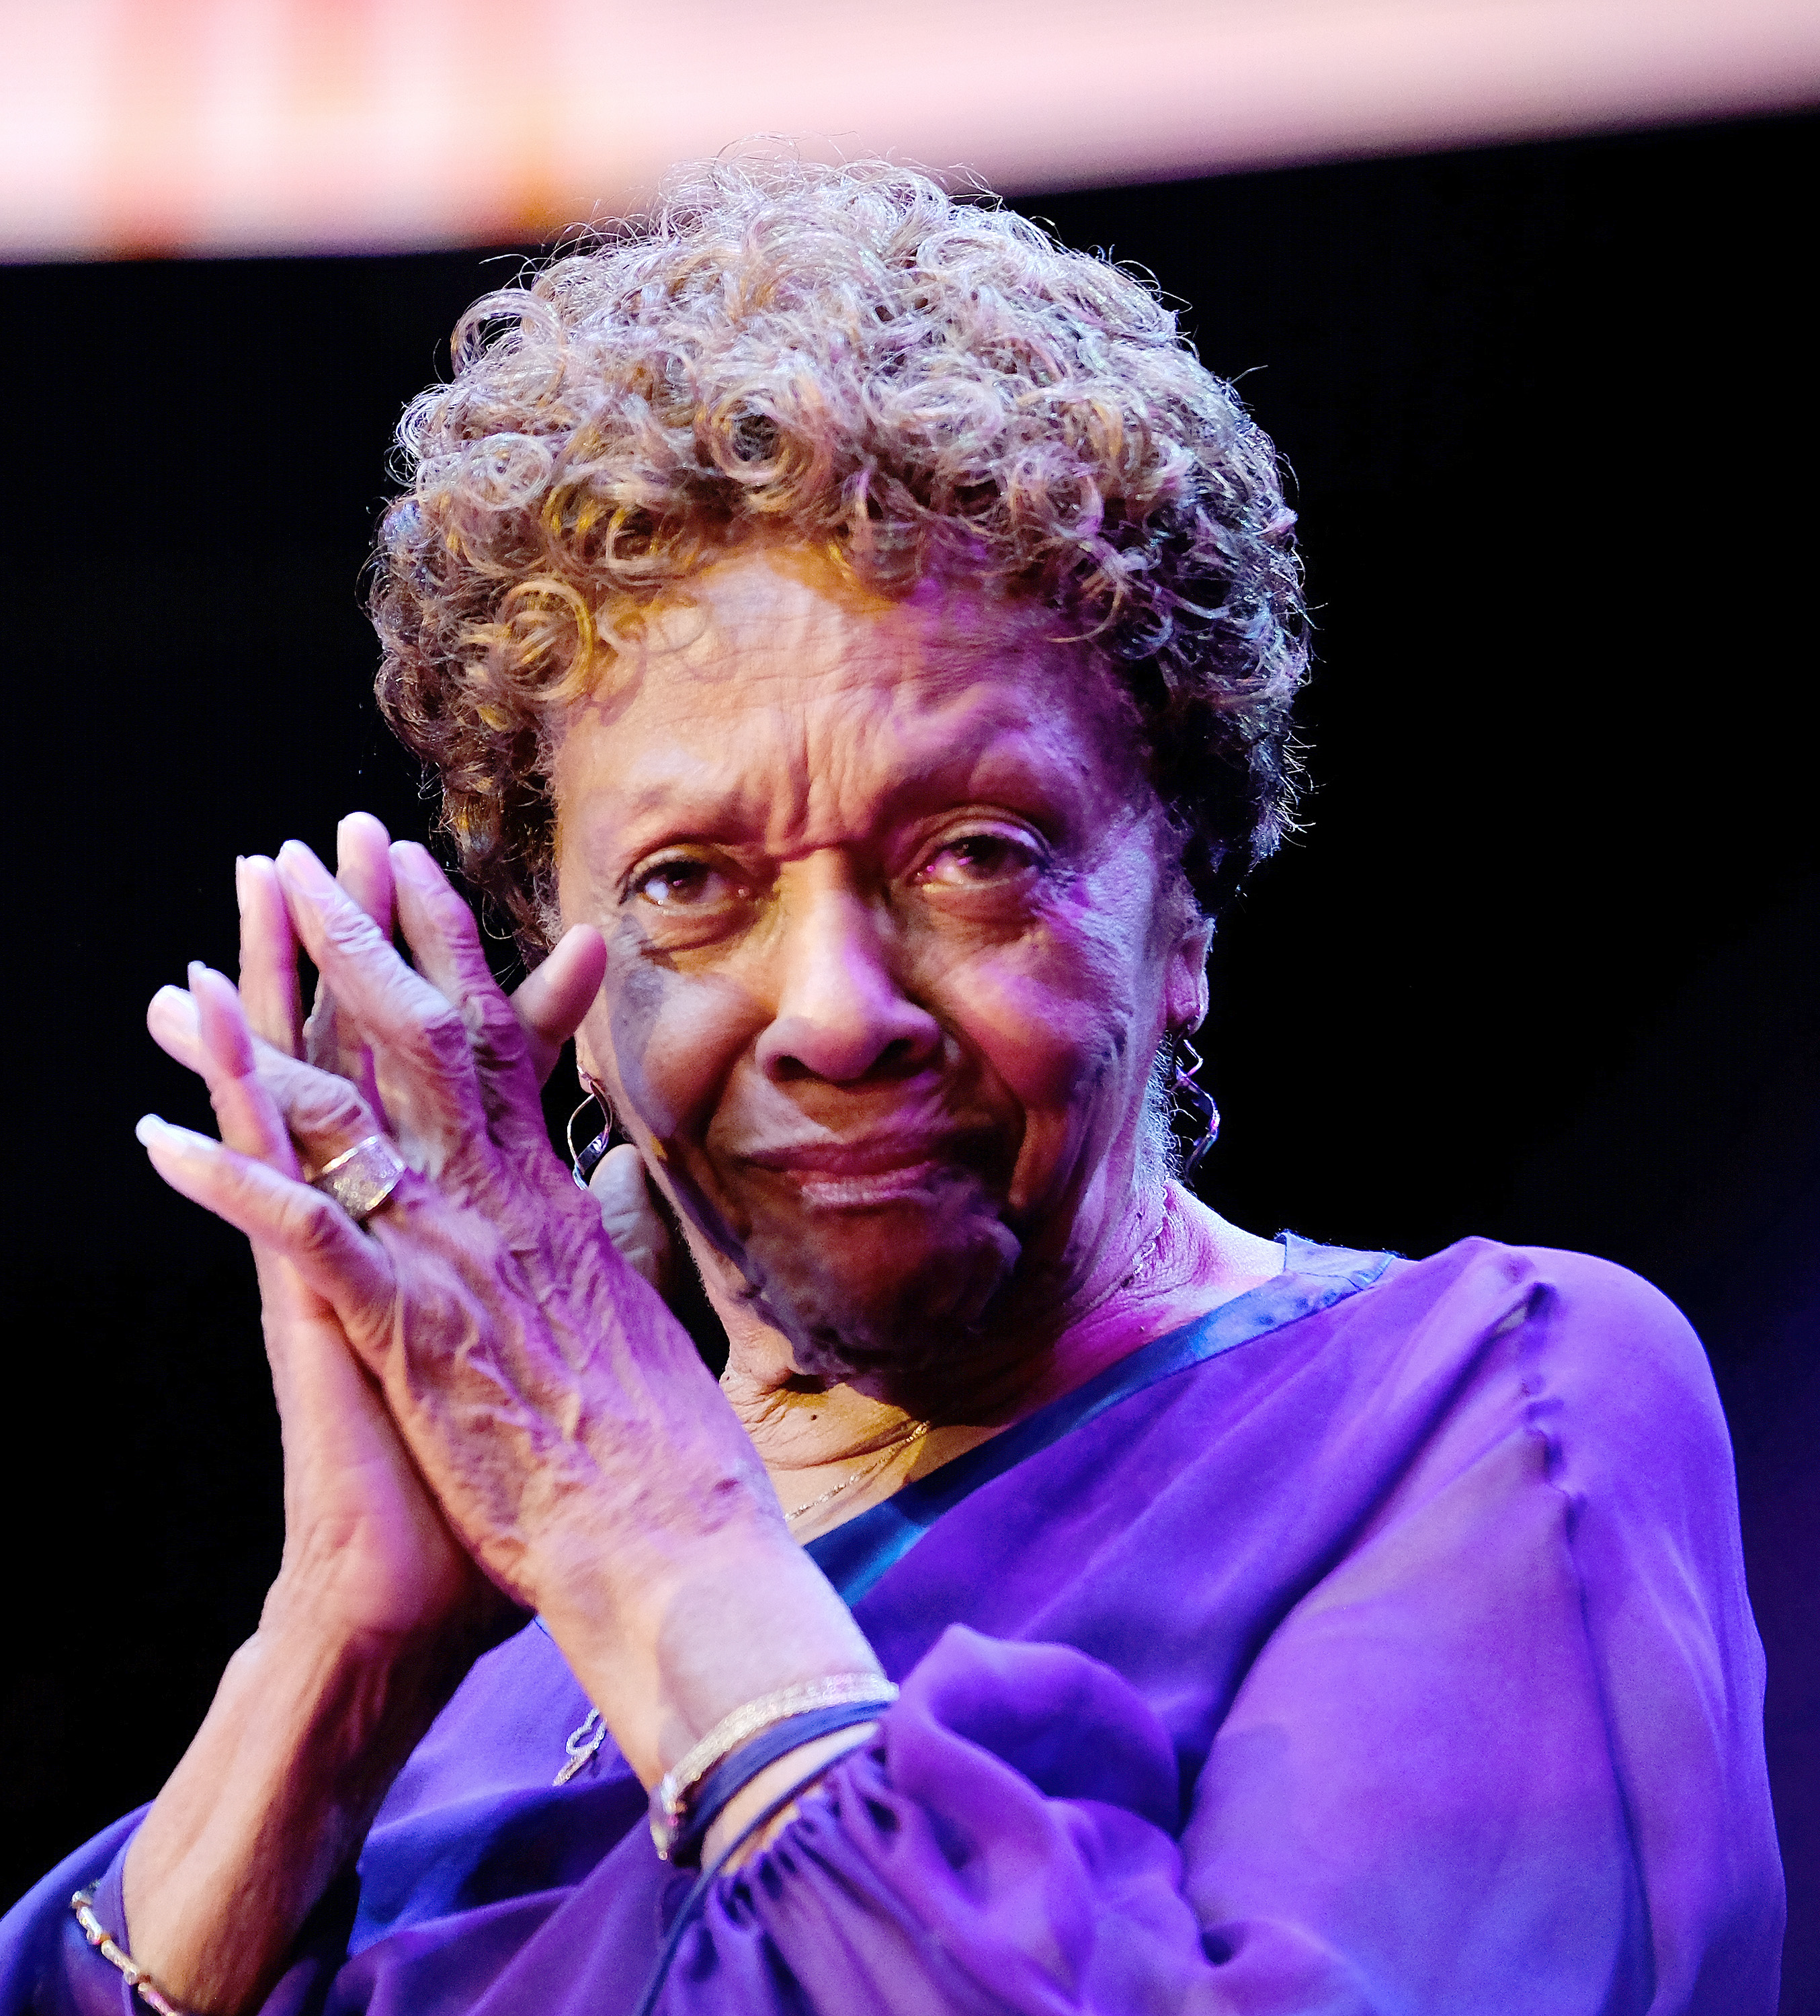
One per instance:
(149, 126)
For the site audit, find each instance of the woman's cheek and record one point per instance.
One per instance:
(1052, 1009)
(672, 1037)
(1037, 1040)
(1058, 1031)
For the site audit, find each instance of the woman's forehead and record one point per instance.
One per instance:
(782, 698)
(785, 612)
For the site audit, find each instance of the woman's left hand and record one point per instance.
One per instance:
(561, 1415)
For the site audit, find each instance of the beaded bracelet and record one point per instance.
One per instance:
(676, 1790)
(97, 1934)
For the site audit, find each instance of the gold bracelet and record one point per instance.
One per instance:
(96, 1934)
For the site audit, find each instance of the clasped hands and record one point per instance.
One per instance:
(485, 1409)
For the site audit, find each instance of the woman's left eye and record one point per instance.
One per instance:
(977, 860)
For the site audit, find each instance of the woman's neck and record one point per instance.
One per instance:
(1178, 1260)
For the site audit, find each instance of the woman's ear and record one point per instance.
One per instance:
(1185, 982)
(593, 1063)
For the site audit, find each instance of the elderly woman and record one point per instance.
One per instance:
(855, 638)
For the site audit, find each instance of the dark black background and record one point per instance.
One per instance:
(1543, 966)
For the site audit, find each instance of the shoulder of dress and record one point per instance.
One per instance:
(1582, 1281)
(1605, 1340)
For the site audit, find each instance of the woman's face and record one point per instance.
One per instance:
(893, 932)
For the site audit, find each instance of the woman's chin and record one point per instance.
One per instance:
(862, 1285)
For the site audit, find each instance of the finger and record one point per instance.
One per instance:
(632, 1219)
(323, 1112)
(320, 1111)
(250, 1121)
(363, 869)
(250, 1113)
(349, 1271)
(171, 1016)
(420, 1040)
(439, 928)
(363, 866)
(551, 1003)
(268, 982)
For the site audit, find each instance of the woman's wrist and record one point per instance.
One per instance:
(307, 1731)
(308, 1616)
(704, 1630)
(693, 1793)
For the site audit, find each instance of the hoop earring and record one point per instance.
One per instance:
(1196, 1118)
(584, 1161)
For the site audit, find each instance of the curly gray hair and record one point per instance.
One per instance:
(854, 358)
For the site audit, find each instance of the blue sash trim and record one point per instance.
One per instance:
(853, 1556)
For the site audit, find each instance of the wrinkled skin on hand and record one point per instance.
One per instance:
(366, 1545)
(571, 1441)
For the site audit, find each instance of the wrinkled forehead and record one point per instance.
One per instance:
(795, 703)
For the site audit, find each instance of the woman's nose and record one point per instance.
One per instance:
(840, 1012)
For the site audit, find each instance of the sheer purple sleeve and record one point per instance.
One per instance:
(47, 1967)
(1507, 1755)
(1006, 1846)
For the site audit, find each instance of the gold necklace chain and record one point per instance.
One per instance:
(916, 1431)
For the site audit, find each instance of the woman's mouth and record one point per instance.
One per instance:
(827, 1192)
(861, 1175)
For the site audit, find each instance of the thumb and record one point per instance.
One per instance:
(550, 1003)
(630, 1217)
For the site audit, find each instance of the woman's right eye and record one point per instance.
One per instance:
(684, 884)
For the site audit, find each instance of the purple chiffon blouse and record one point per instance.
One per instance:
(1378, 1643)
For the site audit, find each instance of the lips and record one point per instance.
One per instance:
(857, 1175)
(870, 1155)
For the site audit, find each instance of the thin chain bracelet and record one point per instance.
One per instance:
(97, 1934)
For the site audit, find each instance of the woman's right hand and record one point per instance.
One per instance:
(367, 1550)
(377, 1612)
(367, 1553)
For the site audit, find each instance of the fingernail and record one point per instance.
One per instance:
(155, 1133)
(299, 862)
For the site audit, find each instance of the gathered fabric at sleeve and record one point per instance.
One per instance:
(1006, 1845)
